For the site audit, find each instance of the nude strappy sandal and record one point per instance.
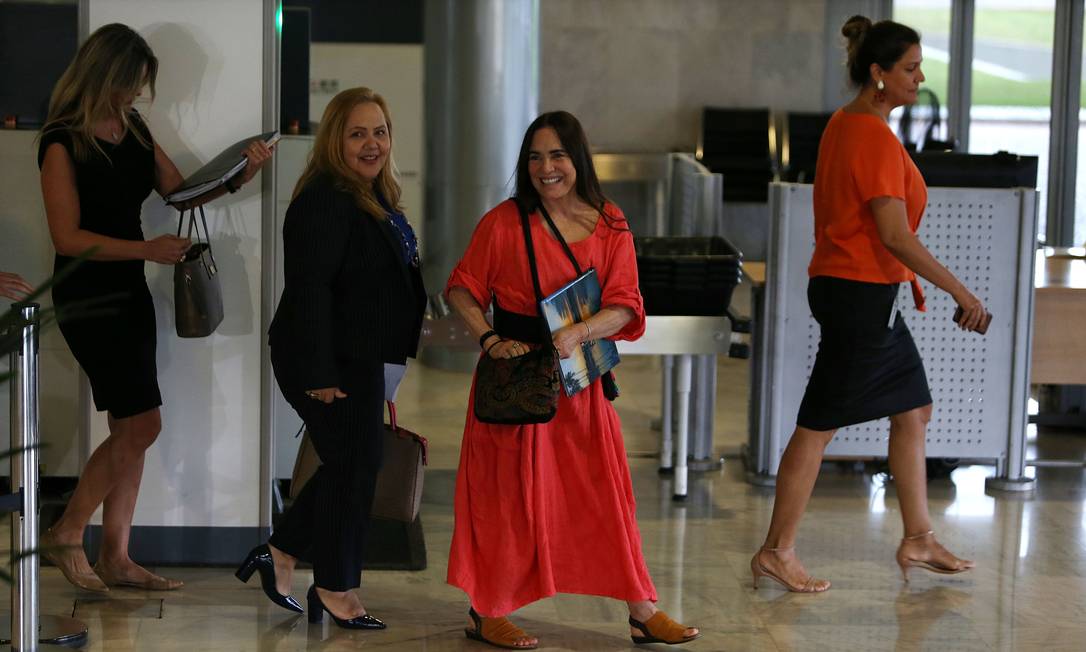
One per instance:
(906, 562)
(757, 570)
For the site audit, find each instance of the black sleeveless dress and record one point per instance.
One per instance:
(115, 345)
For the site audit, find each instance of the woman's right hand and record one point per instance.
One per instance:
(973, 312)
(166, 249)
(13, 286)
(508, 349)
(325, 394)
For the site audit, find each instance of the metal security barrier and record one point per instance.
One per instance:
(675, 195)
(980, 384)
(28, 630)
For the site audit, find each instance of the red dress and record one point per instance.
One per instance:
(547, 508)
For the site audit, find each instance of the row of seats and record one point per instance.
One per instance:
(752, 147)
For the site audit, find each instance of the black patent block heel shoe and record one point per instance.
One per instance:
(317, 609)
(260, 559)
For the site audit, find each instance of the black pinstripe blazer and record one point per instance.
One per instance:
(348, 293)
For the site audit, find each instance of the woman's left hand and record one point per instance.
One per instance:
(258, 154)
(568, 338)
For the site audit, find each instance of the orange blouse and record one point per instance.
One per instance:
(860, 159)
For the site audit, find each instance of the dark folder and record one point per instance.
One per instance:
(219, 170)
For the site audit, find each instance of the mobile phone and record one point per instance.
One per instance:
(982, 328)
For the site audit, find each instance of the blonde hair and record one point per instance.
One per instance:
(327, 155)
(113, 63)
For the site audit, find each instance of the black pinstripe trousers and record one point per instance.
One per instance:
(328, 521)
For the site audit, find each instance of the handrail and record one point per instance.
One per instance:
(24, 483)
(29, 630)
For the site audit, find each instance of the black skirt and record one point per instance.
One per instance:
(867, 366)
(116, 349)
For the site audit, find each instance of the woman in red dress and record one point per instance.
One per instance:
(549, 508)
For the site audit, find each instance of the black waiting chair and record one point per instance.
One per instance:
(801, 134)
(741, 145)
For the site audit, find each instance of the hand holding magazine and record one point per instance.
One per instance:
(220, 170)
(576, 301)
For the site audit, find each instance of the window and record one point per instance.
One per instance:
(931, 18)
(1012, 82)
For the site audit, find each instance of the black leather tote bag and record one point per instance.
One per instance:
(197, 295)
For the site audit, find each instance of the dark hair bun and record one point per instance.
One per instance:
(855, 29)
(882, 43)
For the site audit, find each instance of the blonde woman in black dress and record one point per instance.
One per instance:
(98, 164)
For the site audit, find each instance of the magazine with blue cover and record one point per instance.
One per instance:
(576, 301)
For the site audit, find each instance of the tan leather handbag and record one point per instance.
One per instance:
(399, 482)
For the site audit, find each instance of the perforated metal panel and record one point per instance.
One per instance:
(979, 384)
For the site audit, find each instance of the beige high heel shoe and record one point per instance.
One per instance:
(906, 562)
(758, 570)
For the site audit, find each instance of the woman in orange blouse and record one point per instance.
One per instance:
(869, 198)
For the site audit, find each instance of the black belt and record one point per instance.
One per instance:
(515, 326)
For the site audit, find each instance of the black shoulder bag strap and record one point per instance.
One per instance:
(558, 235)
(526, 227)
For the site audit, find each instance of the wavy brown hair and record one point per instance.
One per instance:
(113, 64)
(327, 155)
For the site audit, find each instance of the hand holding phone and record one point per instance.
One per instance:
(982, 328)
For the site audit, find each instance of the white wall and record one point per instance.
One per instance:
(637, 73)
(204, 469)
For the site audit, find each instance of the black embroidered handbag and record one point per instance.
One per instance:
(524, 389)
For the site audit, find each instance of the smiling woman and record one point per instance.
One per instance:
(352, 301)
(353, 150)
(367, 143)
(519, 537)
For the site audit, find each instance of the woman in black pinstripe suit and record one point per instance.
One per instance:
(353, 300)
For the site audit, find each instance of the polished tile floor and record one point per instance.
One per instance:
(1028, 593)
